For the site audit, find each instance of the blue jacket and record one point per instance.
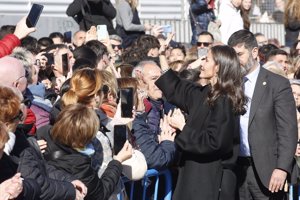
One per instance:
(202, 15)
(158, 156)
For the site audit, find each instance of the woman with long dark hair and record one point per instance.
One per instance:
(209, 137)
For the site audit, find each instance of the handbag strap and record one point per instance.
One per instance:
(85, 3)
(193, 16)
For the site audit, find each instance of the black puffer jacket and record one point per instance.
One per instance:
(8, 168)
(79, 165)
(54, 184)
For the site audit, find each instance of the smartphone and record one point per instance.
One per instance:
(202, 52)
(68, 37)
(102, 32)
(166, 29)
(120, 137)
(65, 64)
(34, 15)
(50, 58)
(126, 97)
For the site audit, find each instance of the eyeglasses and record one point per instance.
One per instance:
(118, 46)
(206, 44)
(25, 76)
(19, 116)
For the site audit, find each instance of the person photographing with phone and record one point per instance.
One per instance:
(89, 13)
(209, 136)
(10, 41)
(129, 26)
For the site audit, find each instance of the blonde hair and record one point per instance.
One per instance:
(291, 11)
(274, 67)
(111, 82)
(76, 126)
(133, 4)
(84, 85)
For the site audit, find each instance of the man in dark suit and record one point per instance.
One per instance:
(268, 130)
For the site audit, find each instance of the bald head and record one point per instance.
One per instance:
(12, 73)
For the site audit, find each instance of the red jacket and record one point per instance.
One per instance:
(8, 43)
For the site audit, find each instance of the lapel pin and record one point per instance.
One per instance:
(264, 83)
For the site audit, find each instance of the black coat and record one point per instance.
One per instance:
(8, 168)
(96, 12)
(209, 140)
(54, 184)
(79, 166)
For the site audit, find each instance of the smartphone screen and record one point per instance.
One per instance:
(68, 37)
(34, 15)
(50, 58)
(120, 137)
(202, 52)
(126, 96)
(166, 29)
(65, 64)
(102, 32)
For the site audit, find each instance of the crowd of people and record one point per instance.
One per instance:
(223, 116)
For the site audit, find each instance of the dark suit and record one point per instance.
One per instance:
(208, 141)
(272, 126)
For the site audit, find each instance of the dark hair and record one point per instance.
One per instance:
(229, 80)
(86, 53)
(264, 50)
(65, 87)
(45, 42)
(145, 43)
(56, 46)
(181, 47)
(275, 52)
(6, 29)
(190, 75)
(30, 43)
(98, 48)
(245, 16)
(126, 70)
(258, 34)
(207, 33)
(81, 63)
(243, 37)
(56, 35)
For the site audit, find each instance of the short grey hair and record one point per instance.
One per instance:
(140, 66)
(27, 59)
(115, 37)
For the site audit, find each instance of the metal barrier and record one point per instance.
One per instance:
(145, 180)
(183, 32)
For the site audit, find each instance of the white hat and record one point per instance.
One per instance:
(135, 168)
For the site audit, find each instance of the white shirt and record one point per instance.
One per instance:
(9, 145)
(231, 20)
(249, 86)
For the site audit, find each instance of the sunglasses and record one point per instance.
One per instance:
(19, 117)
(206, 44)
(118, 46)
